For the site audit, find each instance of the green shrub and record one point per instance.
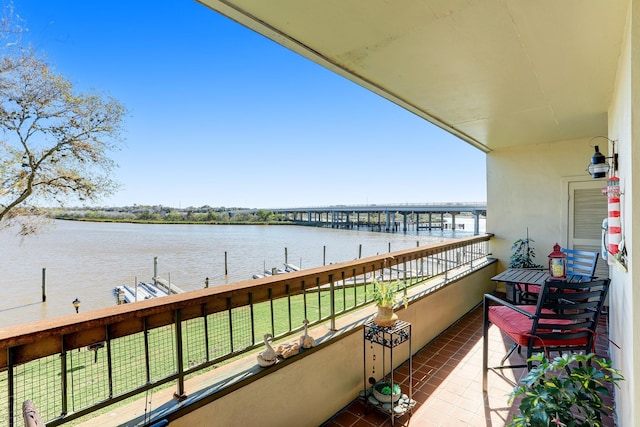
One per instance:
(565, 392)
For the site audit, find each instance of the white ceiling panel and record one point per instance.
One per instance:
(494, 72)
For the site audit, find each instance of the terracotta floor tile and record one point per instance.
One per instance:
(346, 419)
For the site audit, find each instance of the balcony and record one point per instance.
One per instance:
(187, 358)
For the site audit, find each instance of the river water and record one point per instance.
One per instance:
(87, 260)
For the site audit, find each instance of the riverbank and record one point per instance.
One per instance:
(175, 222)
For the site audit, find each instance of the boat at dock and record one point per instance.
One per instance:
(288, 268)
(291, 267)
(142, 291)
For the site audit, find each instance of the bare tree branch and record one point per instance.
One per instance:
(55, 142)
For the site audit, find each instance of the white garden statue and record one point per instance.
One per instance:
(306, 341)
(267, 357)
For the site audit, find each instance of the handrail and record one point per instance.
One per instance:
(191, 326)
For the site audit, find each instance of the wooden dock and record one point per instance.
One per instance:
(170, 288)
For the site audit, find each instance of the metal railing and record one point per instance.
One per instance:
(72, 366)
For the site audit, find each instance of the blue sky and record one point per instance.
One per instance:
(221, 116)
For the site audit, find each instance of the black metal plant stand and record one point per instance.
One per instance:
(389, 338)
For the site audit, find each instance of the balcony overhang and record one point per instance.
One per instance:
(494, 73)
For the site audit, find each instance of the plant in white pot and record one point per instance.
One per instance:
(385, 392)
(384, 295)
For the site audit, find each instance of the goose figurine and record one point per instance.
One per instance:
(306, 341)
(267, 357)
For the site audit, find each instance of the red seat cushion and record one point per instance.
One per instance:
(534, 289)
(518, 326)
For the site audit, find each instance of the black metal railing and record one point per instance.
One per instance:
(73, 366)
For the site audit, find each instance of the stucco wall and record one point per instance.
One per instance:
(624, 323)
(526, 189)
(311, 390)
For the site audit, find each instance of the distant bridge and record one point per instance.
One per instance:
(388, 217)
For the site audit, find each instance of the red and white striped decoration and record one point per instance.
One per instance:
(615, 227)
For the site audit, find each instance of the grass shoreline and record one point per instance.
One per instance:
(160, 221)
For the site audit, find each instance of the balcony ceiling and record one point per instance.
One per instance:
(496, 73)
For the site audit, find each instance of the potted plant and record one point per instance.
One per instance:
(523, 254)
(565, 392)
(384, 295)
(385, 392)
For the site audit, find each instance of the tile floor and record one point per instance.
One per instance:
(447, 377)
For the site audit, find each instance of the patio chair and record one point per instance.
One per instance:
(564, 320)
(581, 263)
(581, 266)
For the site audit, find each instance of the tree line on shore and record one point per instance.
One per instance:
(164, 214)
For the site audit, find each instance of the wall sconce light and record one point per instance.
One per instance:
(598, 168)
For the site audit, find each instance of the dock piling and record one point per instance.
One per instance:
(44, 284)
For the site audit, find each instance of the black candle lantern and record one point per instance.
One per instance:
(557, 264)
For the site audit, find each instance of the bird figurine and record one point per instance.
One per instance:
(287, 350)
(267, 357)
(306, 340)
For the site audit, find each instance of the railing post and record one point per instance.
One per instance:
(253, 319)
(304, 299)
(273, 319)
(109, 361)
(344, 292)
(404, 271)
(230, 324)
(446, 265)
(205, 325)
(332, 302)
(180, 394)
(147, 355)
(288, 291)
(319, 298)
(10, 385)
(63, 377)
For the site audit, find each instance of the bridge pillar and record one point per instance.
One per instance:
(388, 221)
(404, 221)
(453, 220)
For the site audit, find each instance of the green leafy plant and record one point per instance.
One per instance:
(384, 294)
(566, 392)
(523, 254)
(385, 388)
